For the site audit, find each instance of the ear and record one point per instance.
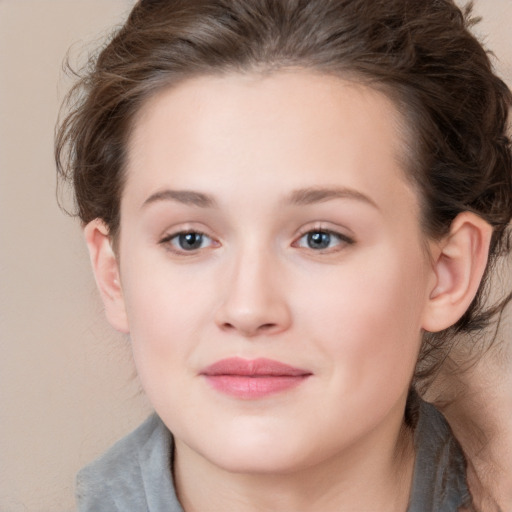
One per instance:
(459, 263)
(106, 271)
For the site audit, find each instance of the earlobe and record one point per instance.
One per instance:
(458, 268)
(106, 272)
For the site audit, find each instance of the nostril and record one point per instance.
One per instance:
(248, 330)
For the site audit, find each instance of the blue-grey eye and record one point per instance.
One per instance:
(189, 241)
(320, 240)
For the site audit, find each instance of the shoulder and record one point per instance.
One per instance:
(440, 470)
(135, 474)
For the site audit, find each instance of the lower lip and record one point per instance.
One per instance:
(245, 387)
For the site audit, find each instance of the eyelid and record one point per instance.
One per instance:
(326, 227)
(169, 236)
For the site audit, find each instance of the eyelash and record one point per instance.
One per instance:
(342, 240)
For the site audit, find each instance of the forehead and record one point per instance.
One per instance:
(228, 130)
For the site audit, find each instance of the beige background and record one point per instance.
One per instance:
(67, 385)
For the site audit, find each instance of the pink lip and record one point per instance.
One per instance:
(251, 379)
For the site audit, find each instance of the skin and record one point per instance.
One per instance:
(478, 411)
(258, 150)
(477, 404)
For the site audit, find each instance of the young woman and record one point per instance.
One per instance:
(291, 207)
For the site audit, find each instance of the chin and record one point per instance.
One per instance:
(257, 462)
(257, 454)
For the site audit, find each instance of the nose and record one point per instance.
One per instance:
(254, 300)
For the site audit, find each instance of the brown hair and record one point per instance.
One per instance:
(418, 52)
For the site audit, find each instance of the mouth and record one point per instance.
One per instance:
(252, 379)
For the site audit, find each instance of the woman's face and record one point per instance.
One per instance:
(273, 269)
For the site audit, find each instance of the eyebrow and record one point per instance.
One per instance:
(311, 195)
(189, 197)
(300, 197)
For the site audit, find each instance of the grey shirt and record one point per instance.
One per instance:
(135, 474)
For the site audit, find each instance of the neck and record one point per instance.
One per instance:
(357, 479)
(476, 403)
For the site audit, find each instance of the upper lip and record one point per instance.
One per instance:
(253, 368)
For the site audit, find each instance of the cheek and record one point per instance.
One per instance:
(164, 301)
(165, 313)
(368, 318)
